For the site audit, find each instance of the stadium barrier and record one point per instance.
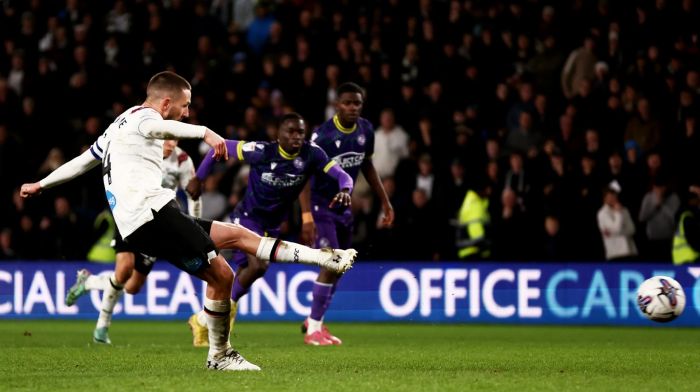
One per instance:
(453, 292)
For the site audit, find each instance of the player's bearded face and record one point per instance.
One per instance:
(179, 106)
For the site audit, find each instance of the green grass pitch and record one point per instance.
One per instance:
(58, 355)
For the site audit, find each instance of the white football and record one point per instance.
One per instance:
(661, 299)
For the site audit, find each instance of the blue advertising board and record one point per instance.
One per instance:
(447, 292)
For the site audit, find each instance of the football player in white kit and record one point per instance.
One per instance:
(150, 221)
(131, 267)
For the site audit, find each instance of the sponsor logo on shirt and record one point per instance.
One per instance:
(111, 200)
(349, 159)
(281, 180)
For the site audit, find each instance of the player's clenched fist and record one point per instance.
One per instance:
(217, 143)
(29, 190)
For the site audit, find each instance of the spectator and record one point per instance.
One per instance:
(580, 65)
(511, 233)
(643, 128)
(554, 245)
(524, 139)
(686, 241)
(425, 179)
(517, 179)
(213, 202)
(616, 226)
(390, 145)
(259, 28)
(473, 240)
(657, 214)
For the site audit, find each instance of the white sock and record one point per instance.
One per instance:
(97, 282)
(202, 317)
(111, 296)
(314, 326)
(217, 314)
(289, 252)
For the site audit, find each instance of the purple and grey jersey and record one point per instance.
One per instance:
(276, 178)
(347, 147)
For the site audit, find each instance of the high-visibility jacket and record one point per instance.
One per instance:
(102, 251)
(682, 251)
(473, 218)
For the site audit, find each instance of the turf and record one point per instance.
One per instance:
(58, 355)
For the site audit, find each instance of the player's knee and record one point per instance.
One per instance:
(132, 290)
(133, 286)
(218, 274)
(224, 274)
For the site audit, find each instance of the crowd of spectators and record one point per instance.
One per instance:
(560, 109)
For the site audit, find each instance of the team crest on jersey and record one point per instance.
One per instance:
(298, 163)
(337, 143)
(273, 165)
(361, 140)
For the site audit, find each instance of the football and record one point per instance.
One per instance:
(661, 299)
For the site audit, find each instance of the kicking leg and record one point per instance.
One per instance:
(231, 236)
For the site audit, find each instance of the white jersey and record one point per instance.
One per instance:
(132, 169)
(178, 170)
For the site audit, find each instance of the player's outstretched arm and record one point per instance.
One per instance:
(376, 183)
(64, 173)
(207, 164)
(194, 187)
(171, 129)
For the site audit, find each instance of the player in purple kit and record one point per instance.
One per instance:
(277, 176)
(349, 140)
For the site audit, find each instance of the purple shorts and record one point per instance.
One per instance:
(332, 234)
(240, 259)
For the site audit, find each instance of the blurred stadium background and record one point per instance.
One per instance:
(506, 132)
